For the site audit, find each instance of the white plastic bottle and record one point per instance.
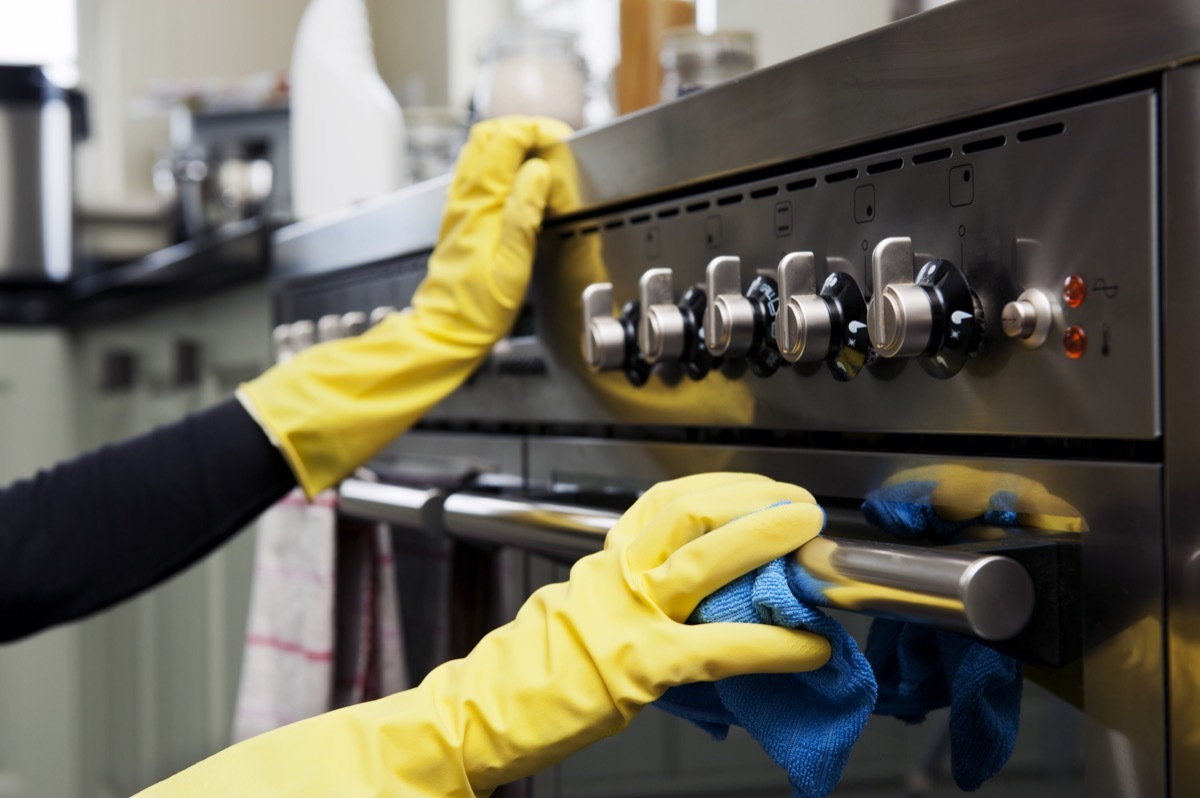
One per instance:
(347, 131)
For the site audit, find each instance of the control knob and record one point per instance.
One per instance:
(609, 343)
(670, 332)
(1029, 318)
(934, 317)
(829, 326)
(738, 324)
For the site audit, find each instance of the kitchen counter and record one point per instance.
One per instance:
(237, 253)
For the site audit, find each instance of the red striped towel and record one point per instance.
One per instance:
(324, 624)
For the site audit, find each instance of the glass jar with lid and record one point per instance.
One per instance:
(537, 71)
(693, 60)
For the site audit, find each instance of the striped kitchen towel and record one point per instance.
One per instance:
(323, 629)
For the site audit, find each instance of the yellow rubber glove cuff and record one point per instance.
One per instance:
(335, 405)
(578, 662)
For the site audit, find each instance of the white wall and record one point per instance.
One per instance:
(788, 28)
(41, 32)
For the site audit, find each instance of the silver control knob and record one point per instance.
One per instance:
(380, 313)
(603, 336)
(1029, 318)
(729, 317)
(661, 329)
(900, 314)
(281, 342)
(804, 326)
(353, 322)
(329, 328)
(303, 333)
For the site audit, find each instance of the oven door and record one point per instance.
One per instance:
(1084, 643)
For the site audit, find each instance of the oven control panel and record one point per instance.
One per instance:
(1002, 281)
(998, 281)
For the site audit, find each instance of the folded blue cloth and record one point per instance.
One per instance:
(806, 722)
(919, 669)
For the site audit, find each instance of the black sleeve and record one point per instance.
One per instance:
(93, 531)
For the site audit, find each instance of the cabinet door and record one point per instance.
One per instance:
(160, 671)
(40, 738)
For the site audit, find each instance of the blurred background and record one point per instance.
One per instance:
(147, 150)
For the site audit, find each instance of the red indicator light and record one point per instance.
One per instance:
(1074, 291)
(1075, 342)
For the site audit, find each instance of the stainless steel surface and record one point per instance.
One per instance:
(1024, 191)
(1025, 228)
(661, 328)
(1115, 504)
(988, 596)
(603, 336)
(899, 316)
(544, 527)
(956, 61)
(729, 317)
(396, 224)
(1029, 317)
(375, 501)
(36, 196)
(1181, 330)
(804, 326)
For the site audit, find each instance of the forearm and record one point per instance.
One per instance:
(90, 532)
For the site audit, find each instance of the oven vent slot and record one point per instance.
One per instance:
(587, 231)
(769, 191)
(613, 225)
(641, 218)
(930, 156)
(667, 213)
(566, 234)
(979, 145)
(696, 207)
(732, 199)
(837, 177)
(797, 185)
(885, 166)
(1045, 131)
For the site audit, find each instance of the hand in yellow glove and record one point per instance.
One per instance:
(578, 662)
(335, 405)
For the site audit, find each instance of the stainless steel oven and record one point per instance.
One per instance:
(962, 245)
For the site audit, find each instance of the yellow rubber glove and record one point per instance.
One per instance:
(578, 662)
(335, 405)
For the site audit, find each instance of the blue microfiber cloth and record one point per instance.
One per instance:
(919, 669)
(806, 722)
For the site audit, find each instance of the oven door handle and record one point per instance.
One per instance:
(985, 595)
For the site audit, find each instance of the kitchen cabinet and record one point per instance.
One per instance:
(159, 673)
(109, 705)
(40, 737)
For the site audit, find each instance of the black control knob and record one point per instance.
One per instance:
(850, 346)
(764, 358)
(957, 319)
(696, 360)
